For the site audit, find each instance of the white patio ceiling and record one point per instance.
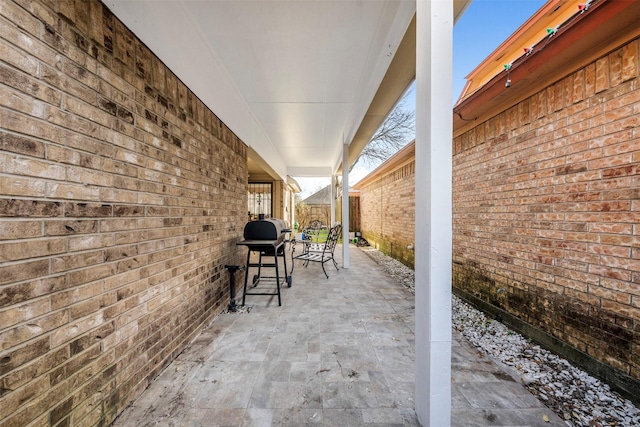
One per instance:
(293, 79)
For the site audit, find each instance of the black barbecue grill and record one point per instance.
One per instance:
(267, 238)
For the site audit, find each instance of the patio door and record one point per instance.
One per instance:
(260, 195)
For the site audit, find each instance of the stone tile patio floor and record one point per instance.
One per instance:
(338, 352)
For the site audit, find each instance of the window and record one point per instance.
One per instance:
(260, 195)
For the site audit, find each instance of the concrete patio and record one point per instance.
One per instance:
(338, 352)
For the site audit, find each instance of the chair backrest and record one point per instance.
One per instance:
(332, 239)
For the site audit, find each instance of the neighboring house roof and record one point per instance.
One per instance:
(403, 156)
(579, 33)
(321, 197)
(531, 34)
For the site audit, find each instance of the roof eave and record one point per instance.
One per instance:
(585, 39)
(402, 157)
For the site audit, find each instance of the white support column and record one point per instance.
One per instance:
(433, 241)
(345, 206)
(334, 194)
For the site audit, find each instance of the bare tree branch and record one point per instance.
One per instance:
(395, 132)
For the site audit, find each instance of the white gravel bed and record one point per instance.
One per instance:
(577, 397)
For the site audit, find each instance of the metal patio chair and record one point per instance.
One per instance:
(320, 252)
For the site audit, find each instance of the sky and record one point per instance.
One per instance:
(481, 29)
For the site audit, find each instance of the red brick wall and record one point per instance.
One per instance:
(547, 207)
(387, 207)
(121, 198)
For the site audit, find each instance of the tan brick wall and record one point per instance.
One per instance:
(387, 208)
(121, 199)
(547, 207)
